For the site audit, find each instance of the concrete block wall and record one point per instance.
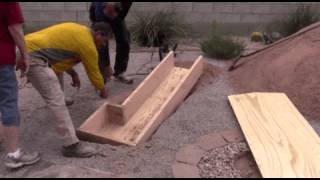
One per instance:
(199, 14)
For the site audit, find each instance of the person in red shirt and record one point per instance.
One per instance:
(11, 35)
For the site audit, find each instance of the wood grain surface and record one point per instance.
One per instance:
(281, 140)
(146, 108)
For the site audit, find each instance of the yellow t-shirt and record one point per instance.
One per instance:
(64, 45)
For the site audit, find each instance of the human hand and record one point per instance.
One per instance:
(104, 93)
(23, 65)
(76, 81)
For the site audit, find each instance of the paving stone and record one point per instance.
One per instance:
(233, 136)
(181, 170)
(247, 166)
(211, 141)
(189, 154)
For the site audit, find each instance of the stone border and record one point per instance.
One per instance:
(187, 157)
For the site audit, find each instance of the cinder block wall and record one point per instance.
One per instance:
(236, 16)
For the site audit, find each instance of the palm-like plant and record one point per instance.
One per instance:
(156, 28)
(303, 16)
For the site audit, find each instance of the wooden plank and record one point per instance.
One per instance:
(170, 92)
(147, 87)
(127, 134)
(130, 132)
(116, 114)
(93, 136)
(150, 114)
(91, 124)
(173, 101)
(282, 141)
(131, 105)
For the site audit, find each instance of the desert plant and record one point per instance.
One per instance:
(304, 15)
(155, 28)
(220, 46)
(256, 37)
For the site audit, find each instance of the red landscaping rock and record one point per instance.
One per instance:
(181, 170)
(247, 166)
(233, 136)
(211, 141)
(189, 154)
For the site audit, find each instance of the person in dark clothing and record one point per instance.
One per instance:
(114, 13)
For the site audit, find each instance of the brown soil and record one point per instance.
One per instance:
(291, 66)
(210, 74)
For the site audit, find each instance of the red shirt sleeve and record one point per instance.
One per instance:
(14, 14)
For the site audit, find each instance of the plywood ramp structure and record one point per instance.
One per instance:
(146, 108)
(281, 140)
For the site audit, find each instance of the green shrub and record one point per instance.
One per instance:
(220, 46)
(154, 28)
(303, 16)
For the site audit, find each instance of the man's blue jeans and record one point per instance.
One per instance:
(9, 111)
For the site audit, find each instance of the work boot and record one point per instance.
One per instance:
(78, 150)
(123, 78)
(23, 160)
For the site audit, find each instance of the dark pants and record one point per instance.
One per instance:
(122, 37)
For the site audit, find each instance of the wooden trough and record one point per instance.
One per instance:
(146, 108)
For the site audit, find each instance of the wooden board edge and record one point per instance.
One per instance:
(92, 137)
(174, 100)
(92, 116)
(232, 101)
(305, 124)
(116, 114)
(166, 66)
(168, 59)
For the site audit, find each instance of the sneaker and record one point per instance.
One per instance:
(78, 150)
(23, 160)
(124, 79)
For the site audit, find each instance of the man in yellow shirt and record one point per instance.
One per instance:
(62, 46)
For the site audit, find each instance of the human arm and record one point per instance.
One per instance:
(75, 78)
(17, 34)
(90, 60)
(15, 21)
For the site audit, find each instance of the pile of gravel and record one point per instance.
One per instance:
(219, 162)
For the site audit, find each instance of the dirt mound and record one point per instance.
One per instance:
(291, 66)
(209, 75)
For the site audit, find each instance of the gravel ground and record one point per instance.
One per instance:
(206, 111)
